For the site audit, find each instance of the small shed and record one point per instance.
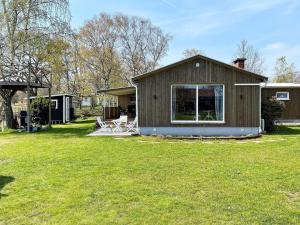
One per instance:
(289, 93)
(62, 108)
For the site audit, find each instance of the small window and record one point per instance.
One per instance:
(282, 96)
(54, 104)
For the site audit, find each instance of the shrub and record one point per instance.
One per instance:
(271, 111)
(40, 110)
(88, 112)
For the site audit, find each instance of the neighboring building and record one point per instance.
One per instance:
(62, 108)
(197, 96)
(289, 93)
(125, 103)
(86, 101)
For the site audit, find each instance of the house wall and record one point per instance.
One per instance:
(241, 102)
(292, 106)
(57, 114)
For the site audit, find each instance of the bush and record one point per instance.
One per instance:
(40, 110)
(271, 111)
(88, 112)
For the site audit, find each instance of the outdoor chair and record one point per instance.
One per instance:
(132, 126)
(102, 124)
(118, 123)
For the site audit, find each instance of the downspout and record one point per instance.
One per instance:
(136, 105)
(64, 109)
(262, 85)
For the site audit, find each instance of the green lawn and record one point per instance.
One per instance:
(63, 177)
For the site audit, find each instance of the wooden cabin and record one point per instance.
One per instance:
(289, 93)
(199, 96)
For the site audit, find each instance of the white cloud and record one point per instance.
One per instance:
(274, 46)
(258, 5)
(205, 20)
(291, 6)
(169, 3)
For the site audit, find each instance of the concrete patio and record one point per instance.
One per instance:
(109, 133)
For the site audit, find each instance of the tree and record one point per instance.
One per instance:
(119, 46)
(271, 111)
(191, 52)
(255, 61)
(40, 110)
(99, 37)
(284, 72)
(142, 45)
(22, 23)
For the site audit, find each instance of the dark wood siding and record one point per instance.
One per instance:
(292, 107)
(241, 102)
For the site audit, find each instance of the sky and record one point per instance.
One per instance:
(215, 27)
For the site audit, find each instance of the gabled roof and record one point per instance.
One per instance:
(134, 79)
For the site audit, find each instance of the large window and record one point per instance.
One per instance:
(197, 103)
(184, 102)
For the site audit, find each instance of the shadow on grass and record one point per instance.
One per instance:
(4, 180)
(284, 130)
(71, 130)
(86, 121)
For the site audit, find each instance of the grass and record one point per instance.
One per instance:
(61, 176)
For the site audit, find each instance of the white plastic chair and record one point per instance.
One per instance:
(132, 126)
(118, 123)
(102, 124)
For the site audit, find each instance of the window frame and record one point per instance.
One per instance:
(56, 103)
(283, 99)
(197, 121)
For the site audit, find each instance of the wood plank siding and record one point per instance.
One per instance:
(292, 106)
(241, 102)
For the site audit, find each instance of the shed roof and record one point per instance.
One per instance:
(119, 91)
(134, 79)
(56, 95)
(21, 85)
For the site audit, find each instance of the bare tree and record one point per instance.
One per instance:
(142, 45)
(22, 21)
(191, 52)
(255, 61)
(99, 38)
(114, 47)
(285, 72)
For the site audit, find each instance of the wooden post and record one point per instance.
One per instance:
(103, 105)
(28, 91)
(28, 108)
(2, 121)
(50, 109)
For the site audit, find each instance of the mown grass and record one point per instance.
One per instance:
(60, 176)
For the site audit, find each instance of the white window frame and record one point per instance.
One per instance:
(56, 103)
(283, 92)
(197, 121)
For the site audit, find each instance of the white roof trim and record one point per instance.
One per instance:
(280, 85)
(57, 95)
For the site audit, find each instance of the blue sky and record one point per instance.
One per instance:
(214, 27)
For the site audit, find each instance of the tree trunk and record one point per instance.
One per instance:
(8, 113)
(7, 96)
